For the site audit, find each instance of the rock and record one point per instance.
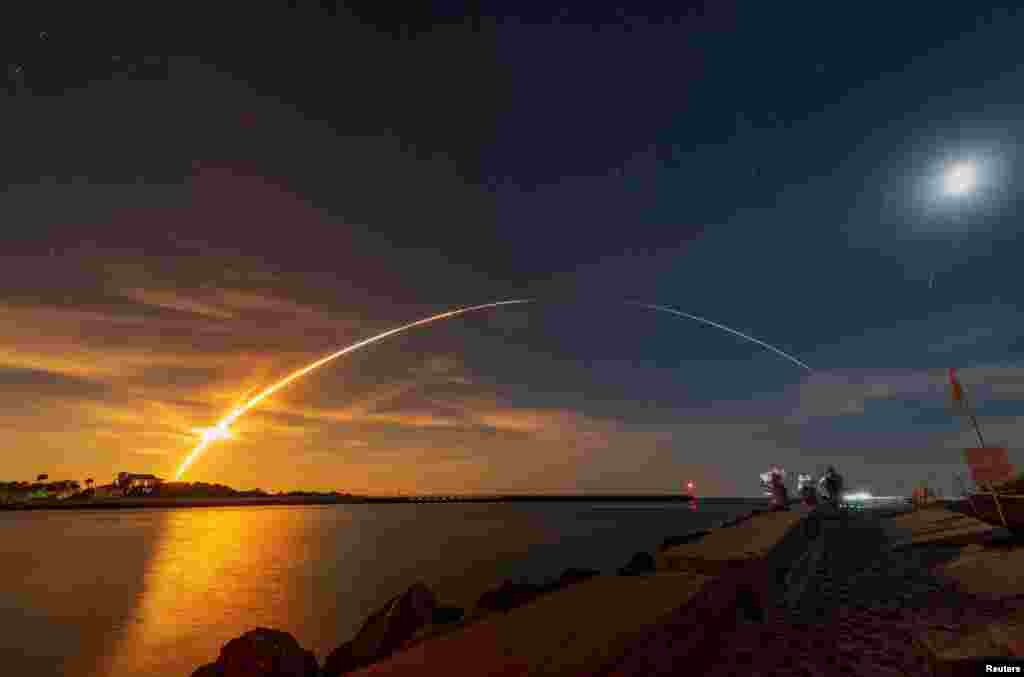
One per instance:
(265, 653)
(446, 614)
(575, 575)
(641, 563)
(508, 596)
(385, 631)
(209, 670)
(748, 606)
(691, 537)
(341, 661)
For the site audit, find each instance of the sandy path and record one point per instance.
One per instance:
(859, 611)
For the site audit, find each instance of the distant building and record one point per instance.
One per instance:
(131, 483)
(61, 490)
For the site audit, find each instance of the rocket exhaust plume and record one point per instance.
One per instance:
(222, 430)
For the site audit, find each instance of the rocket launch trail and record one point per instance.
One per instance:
(734, 332)
(222, 429)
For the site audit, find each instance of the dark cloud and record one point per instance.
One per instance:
(180, 378)
(181, 231)
(33, 383)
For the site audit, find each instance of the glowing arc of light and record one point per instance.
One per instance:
(222, 429)
(712, 323)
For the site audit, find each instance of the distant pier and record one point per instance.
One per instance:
(536, 498)
(136, 502)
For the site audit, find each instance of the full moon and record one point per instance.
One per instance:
(961, 178)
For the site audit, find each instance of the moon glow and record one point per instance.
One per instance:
(960, 178)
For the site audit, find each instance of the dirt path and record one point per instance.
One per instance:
(855, 566)
(855, 610)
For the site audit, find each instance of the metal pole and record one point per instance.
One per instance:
(974, 421)
(963, 490)
(981, 440)
(999, 506)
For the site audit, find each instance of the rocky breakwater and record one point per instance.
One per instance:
(260, 652)
(413, 632)
(511, 594)
(403, 621)
(264, 652)
(883, 600)
(745, 560)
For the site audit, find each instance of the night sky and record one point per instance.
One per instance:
(178, 231)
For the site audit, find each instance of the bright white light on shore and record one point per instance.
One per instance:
(859, 496)
(961, 178)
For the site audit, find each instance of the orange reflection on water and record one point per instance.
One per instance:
(213, 577)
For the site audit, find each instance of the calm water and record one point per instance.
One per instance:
(158, 592)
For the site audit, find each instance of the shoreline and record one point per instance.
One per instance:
(928, 591)
(248, 501)
(408, 625)
(883, 591)
(167, 503)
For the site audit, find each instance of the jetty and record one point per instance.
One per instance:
(881, 591)
(625, 625)
(887, 590)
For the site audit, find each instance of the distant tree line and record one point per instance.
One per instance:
(42, 488)
(203, 490)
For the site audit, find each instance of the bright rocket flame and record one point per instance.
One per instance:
(222, 429)
(215, 433)
(225, 423)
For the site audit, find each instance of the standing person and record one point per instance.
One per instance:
(832, 483)
(805, 486)
(780, 496)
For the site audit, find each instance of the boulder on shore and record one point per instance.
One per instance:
(640, 564)
(342, 661)
(443, 615)
(262, 652)
(509, 595)
(693, 536)
(575, 575)
(385, 631)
